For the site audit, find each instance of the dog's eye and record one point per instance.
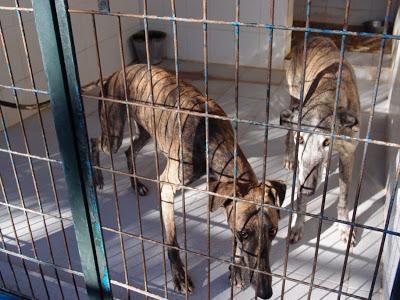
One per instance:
(301, 140)
(244, 234)
(326, 142)
(273, 231)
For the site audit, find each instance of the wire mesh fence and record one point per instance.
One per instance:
(32, 211)
(133, 232)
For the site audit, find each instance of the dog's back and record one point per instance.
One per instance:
(166, 119)
(320, 80)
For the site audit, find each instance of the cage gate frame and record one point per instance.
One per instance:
(54, 32)
(58, 55)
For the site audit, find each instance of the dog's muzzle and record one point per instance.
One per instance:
(305, 190)
(264, 291)
(309, 185)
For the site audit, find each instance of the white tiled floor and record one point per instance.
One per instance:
(362, 259)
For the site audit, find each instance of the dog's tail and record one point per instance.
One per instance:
(88, 89)
(94, 88)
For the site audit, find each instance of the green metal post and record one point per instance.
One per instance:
(55, 39)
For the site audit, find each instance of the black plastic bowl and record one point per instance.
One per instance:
(156, 44)
(153, 34)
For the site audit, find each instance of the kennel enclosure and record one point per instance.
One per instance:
(79, 219)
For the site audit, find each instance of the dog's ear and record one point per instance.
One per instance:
(225, 189)
(348, 120)
(277, 189)
(286, 117)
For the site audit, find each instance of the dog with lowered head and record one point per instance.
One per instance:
(248, 222)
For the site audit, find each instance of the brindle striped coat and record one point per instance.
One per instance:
(165, 131)
(193, 127)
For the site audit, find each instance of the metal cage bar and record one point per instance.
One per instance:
(266, 129)
(133, 161)
(333, 128)
(181, 161)
(231, 23)
(365, 148)
(55, 40)
(156, 156)
(235, 126)
(294, 177)
(31, 168)
(113, 179)
(207, 138)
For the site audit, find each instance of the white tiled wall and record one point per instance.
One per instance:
(333, 11)
(108, 38)
(221, 38)
(391, 252)
(18, 62)
(107, 28)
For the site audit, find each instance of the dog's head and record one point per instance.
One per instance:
(254, 227)
(314, 147)
(112, 118)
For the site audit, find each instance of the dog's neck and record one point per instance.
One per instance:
(223, 166)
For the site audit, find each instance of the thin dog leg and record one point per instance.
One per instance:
(289, 151)
(297, 228)
(167, 204)
(236, 276)
(138, 143)
(98, 180)
(346, 163)
(289, 142)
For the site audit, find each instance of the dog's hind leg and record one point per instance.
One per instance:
(170, 174)
(346, 163)
(138, 143)
(98, 180)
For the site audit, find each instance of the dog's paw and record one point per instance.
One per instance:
(142, 189)
(180, 282)
(296, 233)
(288, 163)
(236, 277)
(344, 232)
(98, 180)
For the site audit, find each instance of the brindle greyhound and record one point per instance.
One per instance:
(320, 94)
(246, 226)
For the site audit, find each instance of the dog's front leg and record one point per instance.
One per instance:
(98, 180)
(181, 282)
(289, 142)
(346, 163)
(297, 226)
(289, 151)
(236, 275)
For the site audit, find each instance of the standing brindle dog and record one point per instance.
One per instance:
(246, 226)
(322, 65)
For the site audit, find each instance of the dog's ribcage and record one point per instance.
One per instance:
(166, 121)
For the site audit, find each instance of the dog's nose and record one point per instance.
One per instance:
(264, 292)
